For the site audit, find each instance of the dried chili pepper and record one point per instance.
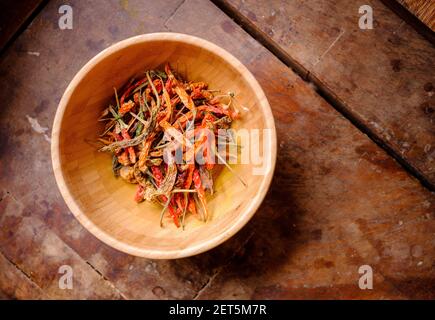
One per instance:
(136, 133)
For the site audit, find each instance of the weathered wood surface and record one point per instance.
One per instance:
(337, 200)
(33, 87)
(13, 15)
(409, 18)
(422, 9)
(382, 78)
(14, 284)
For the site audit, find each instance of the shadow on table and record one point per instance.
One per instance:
(266, 242)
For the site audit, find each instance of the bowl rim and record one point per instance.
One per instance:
(108, 239)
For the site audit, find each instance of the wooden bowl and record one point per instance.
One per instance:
(103, 204)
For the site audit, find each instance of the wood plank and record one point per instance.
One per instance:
(337, 200)
(422, 9)
(329, 176)
(14, 284)
(381, 79)
(13, 16)
(33, 88)
(410, 19)
(39, 253)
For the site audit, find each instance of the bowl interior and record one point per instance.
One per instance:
(105, 204)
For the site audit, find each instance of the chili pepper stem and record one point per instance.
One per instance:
(164, 209)
(116, 97)
(184, 211)
(137, 118)
(184, 191)
(154, 90)
(231, 169)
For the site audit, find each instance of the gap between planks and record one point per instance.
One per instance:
(110, 283)
(218, 270)
(328, 95)
(93, 268)
(411, 19)
(24, 26)
(25, 274)
(172, 14)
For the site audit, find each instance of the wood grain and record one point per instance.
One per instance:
(337, 200)
(14, 284)
(104, 204)
(33, 247)
(422, 9)
(13, 17)
(380, 78)
(37, 79)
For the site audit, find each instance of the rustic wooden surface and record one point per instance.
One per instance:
(410, 19)
(105, 205)
(337, 200)
(13, 16)
(422, 9)
(380, 78)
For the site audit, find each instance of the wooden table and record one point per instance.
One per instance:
(355, 173)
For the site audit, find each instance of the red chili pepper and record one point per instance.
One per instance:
(191, 204)
(196, 94)
(137, 98)
(158, 85)
(157, 173)
(201, 193)
(173, 212)
(179, 199)
(123, 158)
(166, 101)
(130, 89)
(189, 177)
(126, 107)
(197, 181)
(213, 109)
(175, 100)
(116, 136)
(218, 109)
(208, 155)
(209, 162)
(168, 86)
(130, 150)
(138, 197)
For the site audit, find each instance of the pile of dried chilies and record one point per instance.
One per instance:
(155, 117)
